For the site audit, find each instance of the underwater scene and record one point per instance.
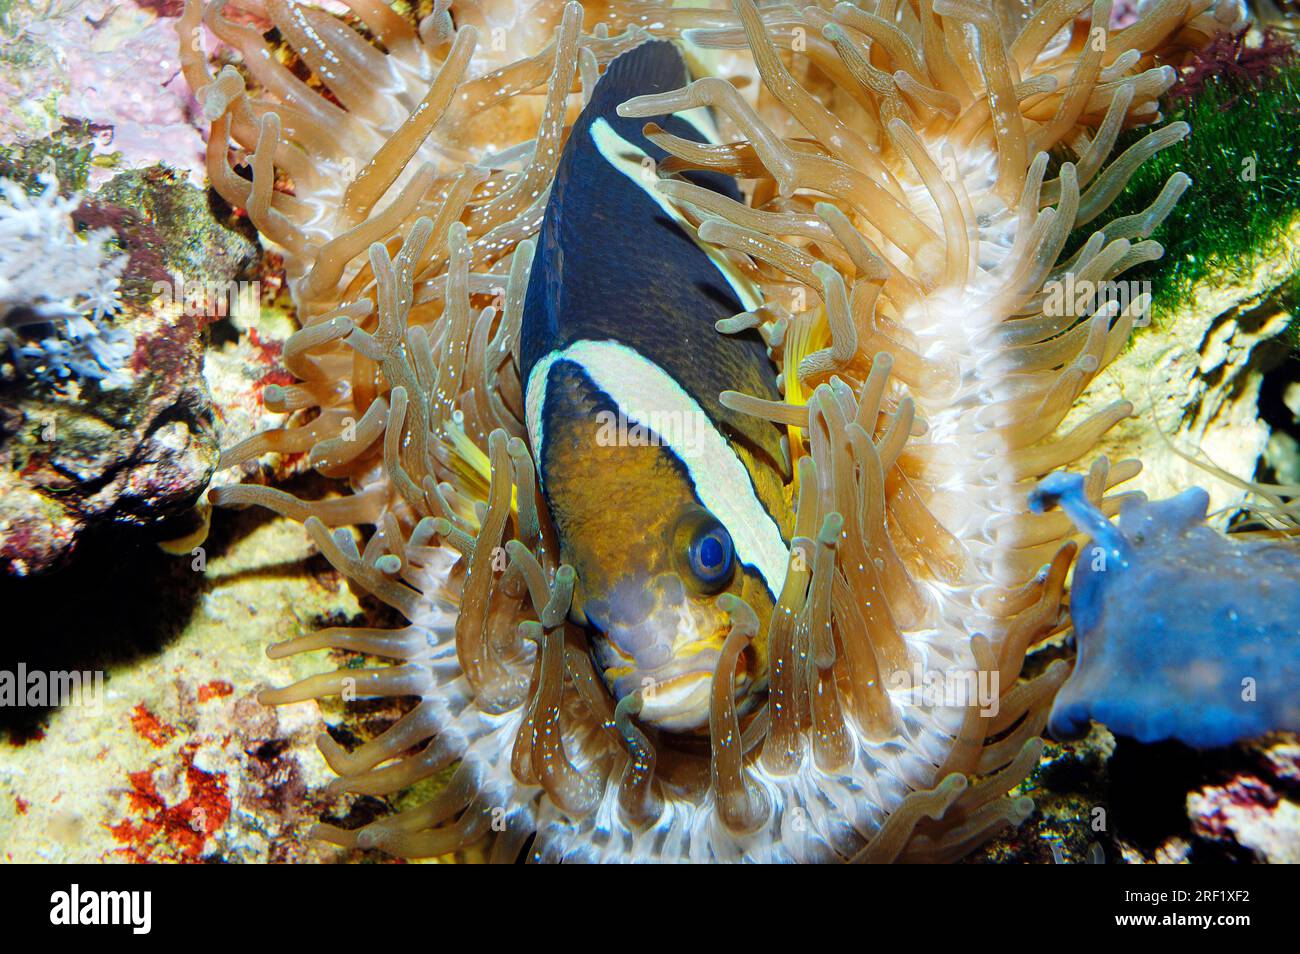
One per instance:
(623, 431)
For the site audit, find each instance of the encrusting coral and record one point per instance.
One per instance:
(905, 224)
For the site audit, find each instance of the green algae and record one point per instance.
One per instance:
(1243, 157)
(69, 154)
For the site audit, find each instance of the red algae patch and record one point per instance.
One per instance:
(173, 831)
(214, 690)
(148, 726)
(182, 763)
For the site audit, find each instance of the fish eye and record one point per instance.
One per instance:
(711, 555)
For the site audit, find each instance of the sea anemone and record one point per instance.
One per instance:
(912, 171)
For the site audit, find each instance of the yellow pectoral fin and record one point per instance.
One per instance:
(478, 469)
(807, 333)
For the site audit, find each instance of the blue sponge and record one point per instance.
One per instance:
(1183, 632)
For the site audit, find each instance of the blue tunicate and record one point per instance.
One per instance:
(1183, 632)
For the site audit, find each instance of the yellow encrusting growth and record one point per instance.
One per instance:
(905, 235)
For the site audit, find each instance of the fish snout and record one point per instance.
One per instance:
(669, 652)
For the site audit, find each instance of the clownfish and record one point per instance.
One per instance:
(661, 498)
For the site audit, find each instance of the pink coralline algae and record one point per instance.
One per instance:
(1248, 812)
(111, 64)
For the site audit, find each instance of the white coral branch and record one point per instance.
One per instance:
(51, 275)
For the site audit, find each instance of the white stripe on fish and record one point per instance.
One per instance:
(643, 391)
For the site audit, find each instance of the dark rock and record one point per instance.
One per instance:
(75, 456)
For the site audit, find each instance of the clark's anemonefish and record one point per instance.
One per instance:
(662, 499)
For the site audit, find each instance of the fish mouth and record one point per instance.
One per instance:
(674, 696)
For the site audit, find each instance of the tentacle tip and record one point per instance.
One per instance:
(330, 749)
(1021, 809)
(219, 496)
(1057, 672)
(334, 835)
(632, 703)
(832, 527)
(954, 783)
(271, 697)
